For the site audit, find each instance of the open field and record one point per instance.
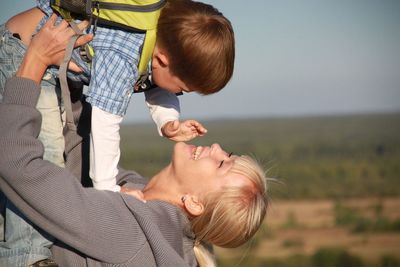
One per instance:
(337, 199)
(303, 227)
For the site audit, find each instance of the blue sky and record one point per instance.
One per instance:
(298, 57)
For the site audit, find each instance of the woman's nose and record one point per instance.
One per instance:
(215, 147)
(218, 151)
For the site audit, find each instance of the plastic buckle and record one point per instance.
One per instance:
(85, 54)
(143, 84)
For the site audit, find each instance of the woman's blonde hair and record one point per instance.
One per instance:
(232, 216)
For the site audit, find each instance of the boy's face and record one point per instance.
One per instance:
(162, 75)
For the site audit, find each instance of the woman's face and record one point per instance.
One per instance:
(201, 170)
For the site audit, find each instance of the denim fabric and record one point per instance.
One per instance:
(24, 244)
(12, 51)
(21, 243)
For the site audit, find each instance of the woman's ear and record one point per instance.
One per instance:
(193, 206)
(159, 58)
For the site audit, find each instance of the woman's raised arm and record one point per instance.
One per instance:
(96, 223)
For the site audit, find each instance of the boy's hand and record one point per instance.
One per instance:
(183, 131)
(133, 192)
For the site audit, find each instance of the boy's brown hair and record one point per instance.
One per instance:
(199, 42)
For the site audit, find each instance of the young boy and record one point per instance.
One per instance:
(194, 44)
(194, 52)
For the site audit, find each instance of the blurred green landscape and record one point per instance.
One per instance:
(337, 176)
(321, 157)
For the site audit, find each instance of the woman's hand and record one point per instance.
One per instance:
(48, 48)
(50, 42)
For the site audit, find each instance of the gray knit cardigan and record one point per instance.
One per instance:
(92, 228)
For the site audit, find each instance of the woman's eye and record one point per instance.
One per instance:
(220, 165)
(222, 162)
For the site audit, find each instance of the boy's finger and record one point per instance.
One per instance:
(194, 123)
(203, 130)
(202, 133)
(200, 128)
(175, 125)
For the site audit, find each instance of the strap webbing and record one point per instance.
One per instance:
(63, 77)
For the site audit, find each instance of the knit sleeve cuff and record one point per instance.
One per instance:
(21, 91)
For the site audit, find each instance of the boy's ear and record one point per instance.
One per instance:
(159, 59)
(193, 206)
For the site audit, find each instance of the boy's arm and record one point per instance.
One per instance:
(163, 106)
(164, 109)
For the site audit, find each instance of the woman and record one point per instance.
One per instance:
(203, 196)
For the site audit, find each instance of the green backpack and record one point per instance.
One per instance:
(130, 15)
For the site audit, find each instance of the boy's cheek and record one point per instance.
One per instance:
(158, 79)
(165, 81)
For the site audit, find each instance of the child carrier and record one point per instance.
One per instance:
(129, 15)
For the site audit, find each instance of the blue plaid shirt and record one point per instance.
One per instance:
(114, 68)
